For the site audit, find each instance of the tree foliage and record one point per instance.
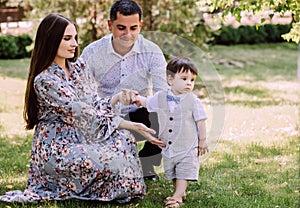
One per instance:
(91, 15)
(236, 7)
(181, 17)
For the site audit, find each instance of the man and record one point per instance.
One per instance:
(125, 59)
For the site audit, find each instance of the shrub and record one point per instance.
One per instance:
(22, 42)
(247, 34)
(14, 46)
(228, 36)
(8, 47)
(275, 31)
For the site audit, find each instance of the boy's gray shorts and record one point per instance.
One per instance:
(182, 167)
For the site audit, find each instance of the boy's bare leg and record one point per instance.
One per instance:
(179, 195)
(180, 186)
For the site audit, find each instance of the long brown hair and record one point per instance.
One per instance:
(48, 38)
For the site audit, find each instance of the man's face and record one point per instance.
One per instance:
(125, 30)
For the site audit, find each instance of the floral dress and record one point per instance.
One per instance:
(77, 152)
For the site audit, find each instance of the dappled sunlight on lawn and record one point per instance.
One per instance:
(264, 112)
(15, 182)
(259, 93)
(11, 106)
(253, 164)
(265, 125)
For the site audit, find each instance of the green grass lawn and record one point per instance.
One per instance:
(255, 163)
(14, 68)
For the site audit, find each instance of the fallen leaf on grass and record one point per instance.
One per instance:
(9, 186)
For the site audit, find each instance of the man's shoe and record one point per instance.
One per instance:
(151, 177)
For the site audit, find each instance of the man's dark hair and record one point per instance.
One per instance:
(126, 8)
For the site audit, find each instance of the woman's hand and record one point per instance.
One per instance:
(126, 97)
(143, 130)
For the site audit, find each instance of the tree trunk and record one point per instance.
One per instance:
(298, 64)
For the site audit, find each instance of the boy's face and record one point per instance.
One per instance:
(182, 82)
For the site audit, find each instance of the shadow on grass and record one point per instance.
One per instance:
(14, 68)
(254, 97)
(254, 176)
(15, 153)
(240, 90)
(258, 62)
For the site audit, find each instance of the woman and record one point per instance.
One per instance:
(77, 151)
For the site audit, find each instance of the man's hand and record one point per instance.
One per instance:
(127, 96)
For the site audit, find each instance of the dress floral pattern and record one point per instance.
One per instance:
(77, 152)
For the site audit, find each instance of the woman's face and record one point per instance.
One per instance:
(68, 43)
